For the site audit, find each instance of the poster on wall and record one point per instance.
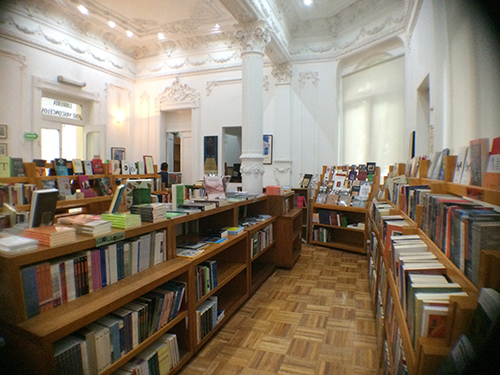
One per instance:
(268, 149)
(210, 154)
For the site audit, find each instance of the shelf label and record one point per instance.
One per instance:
(110, 238)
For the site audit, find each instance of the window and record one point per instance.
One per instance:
(373, 114)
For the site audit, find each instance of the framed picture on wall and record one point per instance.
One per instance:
(149, 166)
(3, 149)
(117, 153)
(268, 149)
(210, 165)
(3, 131)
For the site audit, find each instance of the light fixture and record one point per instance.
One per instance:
(112, 24)
(69, 81)
(82, 9)
(161, 36)
(130, 34)
(308, 2)
(217, 26)
(119, 117)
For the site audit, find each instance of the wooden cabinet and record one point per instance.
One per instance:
(304, 194)
(30, 341)
(288, 229)
(330, 226)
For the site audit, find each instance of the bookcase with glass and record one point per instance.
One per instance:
(433, 246)
(338, 212)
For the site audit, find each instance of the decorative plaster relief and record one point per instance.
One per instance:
(108, 87)
(16, 57)
(254, 169)
(178, 93)
(306, 76)
(282, 73)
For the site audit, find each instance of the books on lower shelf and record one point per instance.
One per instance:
(205, 278)
(56, 282)
(207, 317)
(103, 342)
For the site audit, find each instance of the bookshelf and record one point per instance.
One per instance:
(288, 229)
(342, 231)
(427, 355)
(306, 211)
(31, 341)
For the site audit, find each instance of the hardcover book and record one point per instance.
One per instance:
(479, 152)
(84, 185)
(492, 176)
(125, 167)
(104, 186)
(40, 167)
(43, 207)
(17, 167)
(87, 166)
(114, 167)
(77, 166)
(61, 167)
(97, 166)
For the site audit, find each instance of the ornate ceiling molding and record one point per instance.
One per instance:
(282, 73)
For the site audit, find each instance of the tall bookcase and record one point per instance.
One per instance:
(338, 236)
(30, 341)
(429, 353)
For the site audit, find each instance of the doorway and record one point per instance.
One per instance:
(232, 152)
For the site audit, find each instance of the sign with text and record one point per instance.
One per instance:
(61, 108)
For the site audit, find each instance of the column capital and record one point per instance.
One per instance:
(254, 37)
(282, 73)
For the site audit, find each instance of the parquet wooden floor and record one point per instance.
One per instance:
(314, 319)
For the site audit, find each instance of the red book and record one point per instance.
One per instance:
(492, 176)
(97, 166)
(44, 285)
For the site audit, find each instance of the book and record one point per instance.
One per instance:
(40, 169)
(84, 185)
(77, 166)
(43, 207)
(492, 176)
(104, 185)
(64, 187)
(479, 152)
(138, 191)
(117, 199)
(125, 167)
(17, 167)
(17, 243)
(87, 167)
(459, 164)
(114, 167)
(97, 166)
(4, 166)
(306, 181)
(61, 167)
(178, 194)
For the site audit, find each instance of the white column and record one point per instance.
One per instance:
(282, 125)
(254, 39)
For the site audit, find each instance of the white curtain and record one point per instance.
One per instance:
(373, 114)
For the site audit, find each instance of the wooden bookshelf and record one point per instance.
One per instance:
(428, 355)
(31, 341)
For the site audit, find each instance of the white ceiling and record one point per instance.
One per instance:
(324, 29)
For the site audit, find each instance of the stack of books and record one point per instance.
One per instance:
(51, 235)
(150, 213)
(17, 243)
(87, 224)
(95, 228)
(123, 220)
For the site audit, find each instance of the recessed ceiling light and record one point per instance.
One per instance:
(130, 34)
(82, 9)
(161, 36)
(217, 26)
(308, 2)
(111, 24)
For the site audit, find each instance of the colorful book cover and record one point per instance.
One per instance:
(492, 176)
(17, 167)
(77, 166)
(87, 166)
(479, 152)
(104, 186)
(97, 166)
(61, 167)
